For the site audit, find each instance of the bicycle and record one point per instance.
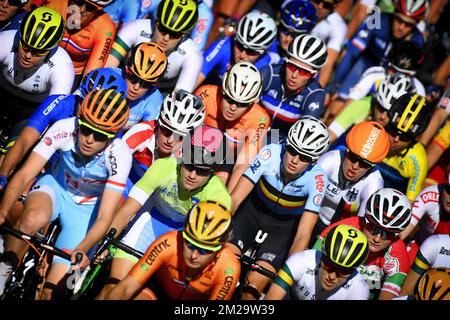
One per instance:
(25, 280)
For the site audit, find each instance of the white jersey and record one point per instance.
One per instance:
(341, 195)
(54, 76)
(332, 30)
(369, 81)
(304, 268)
(436, 251)
(184, 63)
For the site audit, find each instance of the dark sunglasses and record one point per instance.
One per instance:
(394, 132)
(169, 133)
(375, 230)
(198, 170)
(304, 158)
(330, 267)
(249, 52)
(89, 6)
(447, 188)
(172, 35)
(193, 247)
(16, 3)
(34, 52)
(230, 100)
(325, 4)
(405, 22)
(135, 79)
(85, 130)
(292, 67)
(353, 158)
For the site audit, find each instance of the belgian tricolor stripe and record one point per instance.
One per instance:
(280, 198)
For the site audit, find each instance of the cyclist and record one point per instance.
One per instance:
(174, 20)
(286, 201)
(328, 274)
(352, 174)
(11, 14)
(234, 109)
(192, 264)
(405, 166)
(434, 285)
(89, 34)
(159, 201)
(256, 32)
(370, 45)
(373, 107)
(290, 89)
(388, 212)
(297, 17)
(433, 253)
(83, 188)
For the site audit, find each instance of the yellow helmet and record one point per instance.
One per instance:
(207, 225)
(178, 15)
(434, 285)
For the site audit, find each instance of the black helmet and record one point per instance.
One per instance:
(406, 56)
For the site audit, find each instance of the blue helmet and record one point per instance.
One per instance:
(299, 16)
(102, 78)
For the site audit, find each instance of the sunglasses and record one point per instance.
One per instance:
(89, 5)
(198, 170)
(34, 52)
(304, 158)
(375, 230)
(231, 101)
(172, 35)
(302, 71)
(399, 19)
(135, 79)
(16, 3)
(166, 132)
(325, 4)
(447, 188)
(395, 132)
(353, 158)
(330, 267)
(249, 52)
(193, 247)
(87, 130)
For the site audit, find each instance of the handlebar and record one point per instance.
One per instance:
(256, 267)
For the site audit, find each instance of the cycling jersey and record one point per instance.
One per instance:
(433, 253)
(406, 172)
(247, 130)
(371, 79)
(356, 112)
(164, 259)
(54, 76)
(184, 61)
(427, 206)
(13, 23)
(332, 30)
(84, 181)
(300, 274)
(286, 110)
(442, 139)
(439, 172)
(304, 193)
(219, 56)
(344, 198)
(385, 270)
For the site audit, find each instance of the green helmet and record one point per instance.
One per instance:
(42, 28)
(345, 246)
(178, 15)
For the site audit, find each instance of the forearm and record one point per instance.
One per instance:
(12, 193)
(238, 170)
(358, 15)
(409, 283)
(95, 234)
(124, 290)
(21, 146)
(124, 214)
(325, 73)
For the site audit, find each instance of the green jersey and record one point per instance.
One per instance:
(355, 112)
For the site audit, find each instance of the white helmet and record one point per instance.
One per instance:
(256, 30)
(392, 87)
(181, 112)
(242, 82)
(309, 136)
(389, 209)
(101, 3)
(308, 49)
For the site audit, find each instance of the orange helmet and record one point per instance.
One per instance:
(105, 111)
(147, 61)
(369, 140)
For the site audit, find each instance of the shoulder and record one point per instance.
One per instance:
(376, 72)
(60, 57)
(188, 47)
(436, 241)
(429, 194)
(207, 92)
(336, 20)
(417, 154)
(104, 22)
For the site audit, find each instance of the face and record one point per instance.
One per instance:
(294, 163)
(242, 54)
(285, 39)
(399, 141)
(354, 167)
(323, 8)
(90, 142)
(446, 198)
(193, 257)
(86, 12)
(134, 90)
(165, 38)
(167, 141)
(6, 10)
(28, 57)
(380, 115)
(193, 177)
(298, 74)
(377, 238)
(402, 26)
(331, 277)
(232, 110)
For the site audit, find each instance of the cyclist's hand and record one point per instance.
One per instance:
(101, 257)
(433, 92)
(84, 260)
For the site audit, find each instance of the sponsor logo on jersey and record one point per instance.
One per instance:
(444, 251)
(368, 145)
(255, 166)
(352, 194)
(268, 256)
(113, 163)
(156, 251)
(314, 106)
(319, 182)
(48, 141)
(53, 104)
(106, 49)
(225, 288)
(145, 34)
(273, 93)
(265, 155)
(430, 196)
(317, 199)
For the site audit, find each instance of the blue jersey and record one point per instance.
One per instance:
(304, 193)
(285, 111)
(13, 23)
(219, 56)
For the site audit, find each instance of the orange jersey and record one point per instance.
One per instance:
(88, 47)
(164, 258)
(248, 130)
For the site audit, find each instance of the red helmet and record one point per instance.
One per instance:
(415, 9)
